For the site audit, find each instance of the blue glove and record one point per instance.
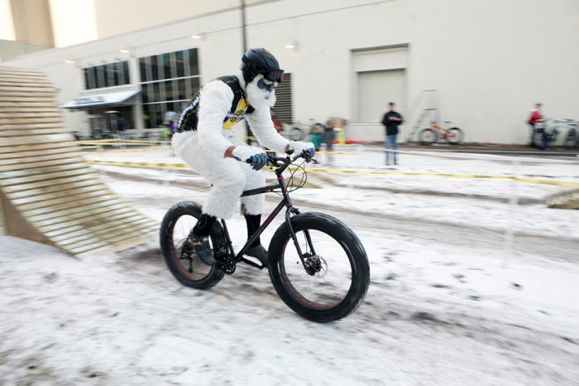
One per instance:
(255, 156)
(257, 161)
(306, 149)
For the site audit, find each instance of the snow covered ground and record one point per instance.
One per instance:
(450, 302)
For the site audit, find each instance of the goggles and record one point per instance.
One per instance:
(274, 75)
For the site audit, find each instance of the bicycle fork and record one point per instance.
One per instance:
(306, 257)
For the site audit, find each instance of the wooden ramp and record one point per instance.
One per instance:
(568, 199)
(48, 193)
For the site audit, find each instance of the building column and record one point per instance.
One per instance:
(135, 75)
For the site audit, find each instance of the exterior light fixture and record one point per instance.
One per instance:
(125, 51)
(69, 61)
(293, 46)
(198, 36)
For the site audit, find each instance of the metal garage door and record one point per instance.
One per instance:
(283, 107)
(376, 89)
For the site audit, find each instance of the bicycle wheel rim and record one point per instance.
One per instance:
(317, 292)
(427, 136)
(190, 268)
(454, 135)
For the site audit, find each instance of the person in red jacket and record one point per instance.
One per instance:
(535, 117)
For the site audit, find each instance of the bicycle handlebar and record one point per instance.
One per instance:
(280, 163)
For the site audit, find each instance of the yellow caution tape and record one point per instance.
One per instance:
(161, 165)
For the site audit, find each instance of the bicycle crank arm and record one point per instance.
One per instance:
(247, 261)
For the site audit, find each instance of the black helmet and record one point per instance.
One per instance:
(260, 61)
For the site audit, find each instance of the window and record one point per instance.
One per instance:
(168, 82)
(107, 75)
(179, 64)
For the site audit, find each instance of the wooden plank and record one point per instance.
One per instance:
(15, 80)
(46, 125)
(72, 207)
(94, 217)
(19, 70)
(20, 120)
(92, 177)
(48, 178)
(38, 139)
(24, 161)
(48, 99)
(42, 106)
(65, 187)
(17, 172)
(35, 149)
(30, 166)
(108, 239)
(23, 83)
(7, 74)
(44, 200)
(102, 231)
(31, 93)
(89, 213)
(32, 114)
(117, 246)
(24, 132)
(39, 202)
(82, 226)
(19, 89)
(92, 243)
(47, 171)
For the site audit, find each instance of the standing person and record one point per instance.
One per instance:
(391, 120)
(205, 141)
(535, 117)
(329, 137)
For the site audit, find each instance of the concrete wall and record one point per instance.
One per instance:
(32, 22)
(111, 15)
(490, 60)
(6, 24)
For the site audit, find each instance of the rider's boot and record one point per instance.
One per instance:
(199, 239)
(256, 249)
(259, 252)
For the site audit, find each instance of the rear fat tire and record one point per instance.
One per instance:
(428, 137)
(352, 247)
(187, 208)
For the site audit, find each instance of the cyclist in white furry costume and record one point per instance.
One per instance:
(205, 141)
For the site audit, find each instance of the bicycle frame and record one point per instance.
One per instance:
(441, 131)
(285, 202)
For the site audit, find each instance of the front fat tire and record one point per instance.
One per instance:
(457, 136)
(352, 246)
(187, 208)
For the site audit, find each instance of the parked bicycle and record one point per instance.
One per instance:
(436, 133)
(546, 133)
(299, 130)
(317, 265)
(572, 137)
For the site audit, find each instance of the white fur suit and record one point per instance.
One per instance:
(203, 149)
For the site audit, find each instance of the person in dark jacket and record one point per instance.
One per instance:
(391, 120)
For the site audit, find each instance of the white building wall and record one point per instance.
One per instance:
(490, 60)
